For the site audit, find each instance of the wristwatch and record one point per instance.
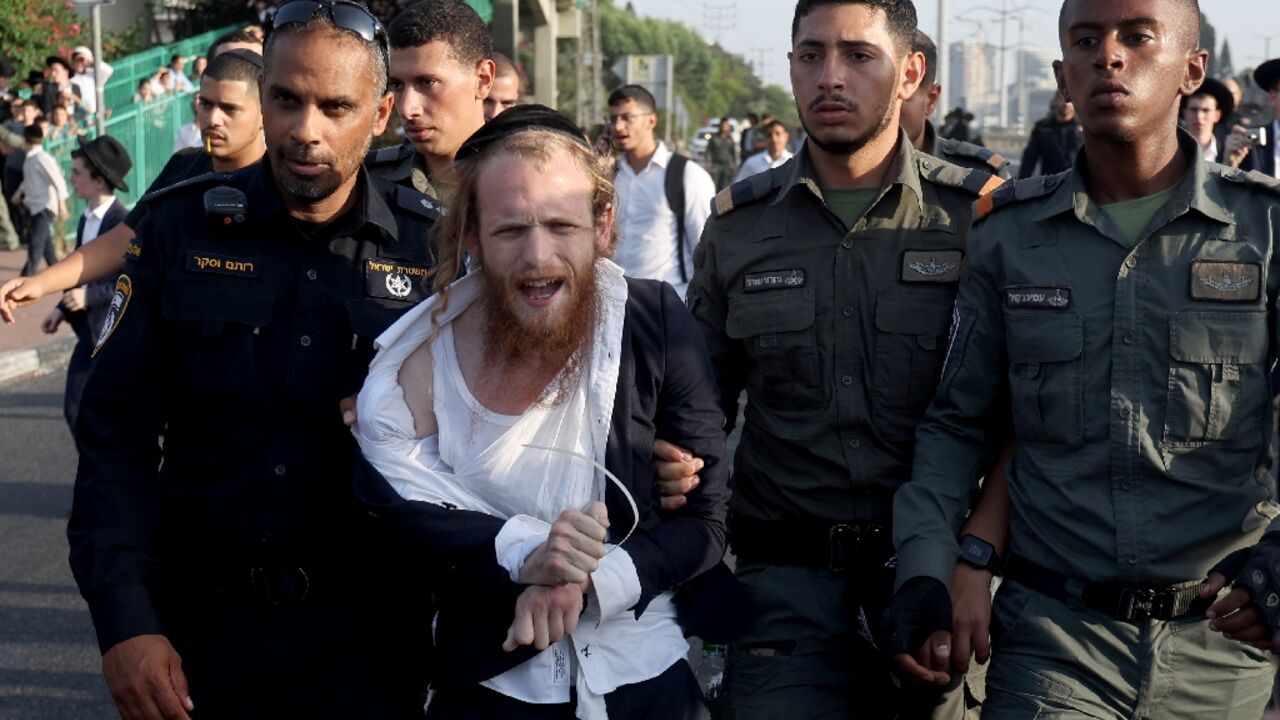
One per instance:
(979, 553)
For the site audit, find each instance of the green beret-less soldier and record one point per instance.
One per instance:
(915, 120)
(824, 288)
(1127, 311)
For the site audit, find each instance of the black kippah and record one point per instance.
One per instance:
(516, 120)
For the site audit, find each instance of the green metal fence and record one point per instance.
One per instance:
(147, 131)
(119, 90)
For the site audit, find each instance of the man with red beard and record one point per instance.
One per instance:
(507, 423)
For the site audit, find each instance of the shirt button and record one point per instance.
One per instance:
(311, 274)
(846, 380)
(854, 443)
(846, 244)
(280, 469)
(1128, 338)
(305, 340)
(1133, 558)
(1131, 262)
(847, 310)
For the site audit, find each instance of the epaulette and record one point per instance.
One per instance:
(944, 173)
(746, 191)
(1015, 191)
(393, 154)
(991, 158)
(415, 202)
(204, 179)
(1252, 177)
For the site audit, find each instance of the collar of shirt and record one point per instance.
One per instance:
(1194, 192)
(660, 158)
(100, 211)
(903, 172)
(370, 207)
(1210, 151)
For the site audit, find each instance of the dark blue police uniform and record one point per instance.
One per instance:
(234, 332)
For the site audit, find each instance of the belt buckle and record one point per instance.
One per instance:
(840, 541)
(1142, 604)
(274, 593)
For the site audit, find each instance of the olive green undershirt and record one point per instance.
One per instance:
(1132, 217)
(849, 205)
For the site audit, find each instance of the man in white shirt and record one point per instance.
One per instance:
(504, 426)
(775, 152)
(82, 66)
(44, 195)
(1263, 153)
(653, 241)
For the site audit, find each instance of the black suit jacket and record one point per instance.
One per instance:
(88, 323)
(665, 389)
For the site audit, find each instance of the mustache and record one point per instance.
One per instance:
(212, 134)
(307, 154)
(833, 98)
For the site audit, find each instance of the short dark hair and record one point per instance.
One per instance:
(235, 36)
(777, 123)
(174, 58)
(503, 66)
(638, 93)
(323, 22)
(899, 15)
(238, 66)
(924, 44)
(33, 133)
(453, 21)
(1187, 22)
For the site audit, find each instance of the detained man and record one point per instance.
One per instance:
(491, 413)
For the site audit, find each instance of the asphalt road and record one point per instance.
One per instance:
(49, 662)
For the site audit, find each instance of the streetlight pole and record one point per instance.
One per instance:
(100, 109)
(1004, 44)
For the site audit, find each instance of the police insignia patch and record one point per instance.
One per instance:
(1226, 281)
(394, 280)
(115, 311)
(931, 266)
(773, 280)
(1038, 298)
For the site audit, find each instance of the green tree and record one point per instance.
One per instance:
(35, 29)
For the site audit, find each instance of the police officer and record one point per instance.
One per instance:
(1126, 310)
(824, 288)
(441, 73)
(915, 120)
(1054, 141)
(229, 573)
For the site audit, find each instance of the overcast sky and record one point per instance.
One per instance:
(760, 29)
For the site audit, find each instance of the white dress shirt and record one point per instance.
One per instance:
(42, 185)
(647, 243)
(478, 460)
(93, 219)
(1210, 151)
(760, 162)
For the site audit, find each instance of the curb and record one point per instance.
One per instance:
(42, 358)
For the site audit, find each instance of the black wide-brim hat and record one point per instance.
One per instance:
(1267, 75)
(1218, 91)
(109, 158)
(519, 119)
(58, 60)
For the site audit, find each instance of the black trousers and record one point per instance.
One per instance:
(331, 657)
(673, 695)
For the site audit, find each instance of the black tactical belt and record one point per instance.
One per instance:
(1123, 601)
(836, 547)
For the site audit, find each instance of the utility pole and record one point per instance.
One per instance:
(95, 19)
(719, 17)
(761, 61)
(597, 59)
(944, 59)
(1004, 43)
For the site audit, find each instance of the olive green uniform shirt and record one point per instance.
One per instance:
(966, 154)
(402, 165)
(1137, 378)
(838, 336)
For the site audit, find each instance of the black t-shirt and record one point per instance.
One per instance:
(183, 165)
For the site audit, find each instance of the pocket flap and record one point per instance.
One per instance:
(201, 300)
(1218, 337)
(903, 315)
(1044, 337)
(773, 311)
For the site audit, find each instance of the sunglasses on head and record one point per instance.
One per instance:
(344, 13)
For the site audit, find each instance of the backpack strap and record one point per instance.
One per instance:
(673, 183)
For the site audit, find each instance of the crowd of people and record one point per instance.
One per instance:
(444, 424)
